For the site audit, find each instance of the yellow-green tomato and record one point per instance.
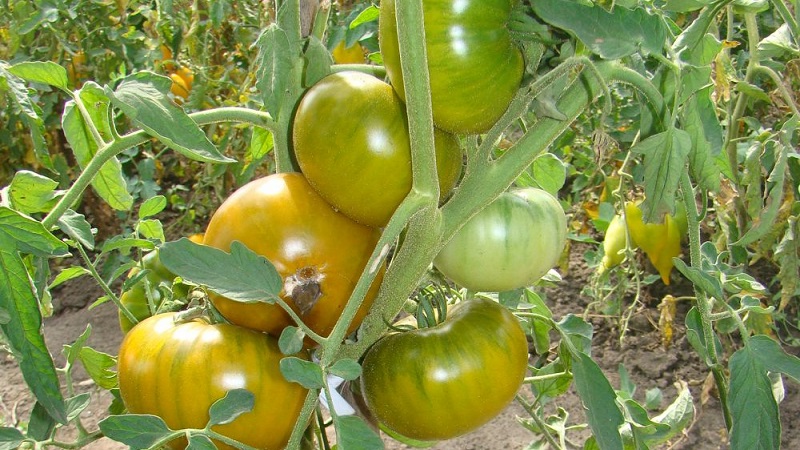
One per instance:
(441, 382)
(178, 370)
(614, 242)
(350, 138)
(509, 244)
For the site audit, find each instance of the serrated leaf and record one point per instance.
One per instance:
(235, 403)
(76, 226)
(123, 242)
(695, 45)
(549, 172)
(151, 229)
(142, 97)
(99, 366)
(23, 330)
(109, 182)
(774, 357)
(31, 114)
(665, 158)
(599, 399)
(139, 431)
(701, 122)
(10, 438)
(611, 35)
(577, 330)
(28, 236)
(273, 67)
(45, 72)
(30, 192)
(765, 219)
(291, 340)
(302, 372)
(347, 369)
(240, 275)
(756, 421)
(152, 206)
(701, 279)
(353, 433)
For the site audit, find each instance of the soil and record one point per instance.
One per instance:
(648, 363)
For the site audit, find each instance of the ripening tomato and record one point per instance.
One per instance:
(351, 141)
(509, 244)
(660, 241)
(348, 55)
(319, 252)
(441, 382)
(475, 68)
(178, 370)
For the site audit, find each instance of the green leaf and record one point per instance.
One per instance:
(240, 275)
(72, 352)
(627, 386)
(40, 425)
(677, 416)
(756, 421)
(665, 157)
(199, 441)
(139, 431)
(30, 192)
(302, 372)
(126, 243)
(685, 6)
(701, 122)
(109, 182)
(152, 206)
(151, 229)
(45, 72)
(23, 331)
(599, 399)
(766, 218)
(76, 405)
(779, 44)
(550, 386)
(10, 438)
(28, 235)
(577, 331)
(696, 336)
(540, 329)
(347, 369)
(143, 98)
(701, 279)
(353, 433)
(235, 403)
(99, 366)
(273, 68)
(261, 144)
(291, 340)
(549, 173)
(774, 358)
(77, 227)
(369, 14)
(31, 114)
(318, 62)
(611, 35)
(786, 258)
(695, 45)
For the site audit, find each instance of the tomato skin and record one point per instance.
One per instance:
(510, 244)
(350, 138)
(660, 241)
(441, 382)
(177, 371)
(475, 68)
(282, 218)
(614, 242)
(348, 55)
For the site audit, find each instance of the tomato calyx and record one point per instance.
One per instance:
(304, 288)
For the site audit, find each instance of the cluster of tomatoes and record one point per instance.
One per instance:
(319, 227)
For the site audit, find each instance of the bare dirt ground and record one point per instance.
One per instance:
(647, 362)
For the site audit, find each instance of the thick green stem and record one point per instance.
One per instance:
(376, 71)
(704, 304)
(112, 149)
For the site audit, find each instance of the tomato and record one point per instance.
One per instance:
(475, 68)
(319, 252)
(660, 241)
(614, 243)
(509, 244)
(178, 370)
(182, 81)
(135, 298)
(351, 142)
(348, 55)
(441, 382)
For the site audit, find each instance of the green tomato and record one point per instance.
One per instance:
(178, 370)
(509, 244)
(350, 138)
(475, 68)
(441, 382)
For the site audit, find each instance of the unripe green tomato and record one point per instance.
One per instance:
(350, 138)
(509, 244)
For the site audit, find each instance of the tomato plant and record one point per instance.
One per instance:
(351, 142)
(475, 67)
(510, 244)
(178, 370)
(319, 252)
(433, 383)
